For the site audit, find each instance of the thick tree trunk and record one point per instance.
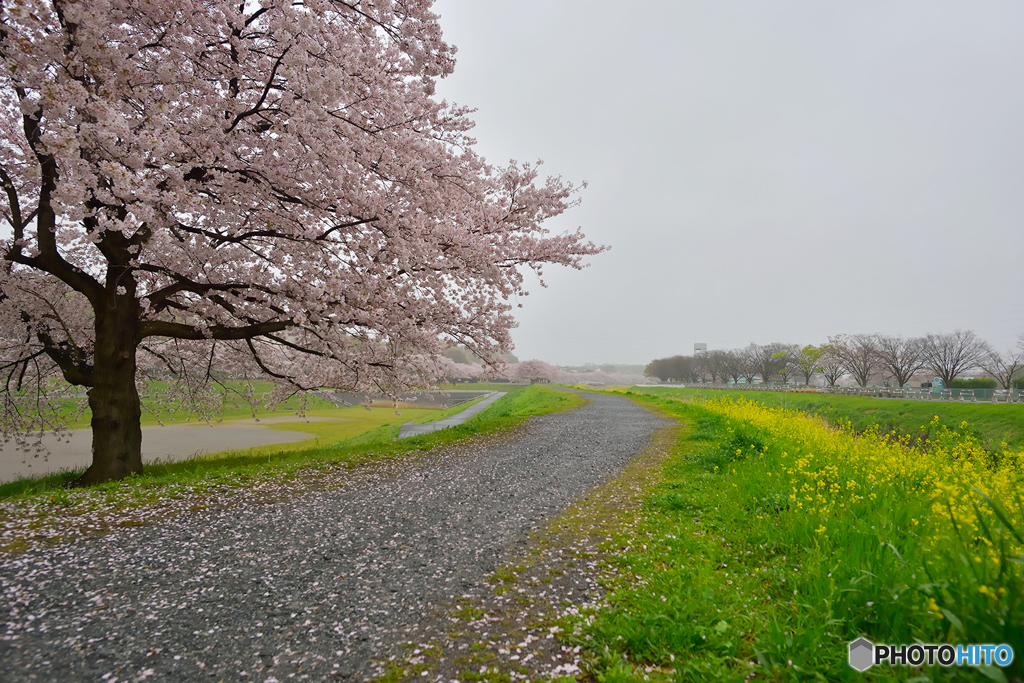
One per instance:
(114, 400)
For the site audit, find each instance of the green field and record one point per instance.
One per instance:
(993, 424)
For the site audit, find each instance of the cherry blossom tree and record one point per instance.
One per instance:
(858, 353)
(533, 371)
(1004, 367)
(267, 183)
(461, 372)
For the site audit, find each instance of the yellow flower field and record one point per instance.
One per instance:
(948, 509)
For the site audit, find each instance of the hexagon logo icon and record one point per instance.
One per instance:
(862, 654)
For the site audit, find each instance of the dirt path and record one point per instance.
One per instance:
(313, 588)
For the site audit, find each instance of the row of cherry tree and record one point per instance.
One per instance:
(863, 357)
(531, 371)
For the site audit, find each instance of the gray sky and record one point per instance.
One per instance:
(763, 171)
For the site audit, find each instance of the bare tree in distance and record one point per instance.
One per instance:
(676, 368)
(1004, 367)
(768, 359)
(733, 365)
(859, 355)
(719, 361)
(831, 365)
(702, 368)
(748, 365)
(950, 355)
(707, 367)
(901, 357)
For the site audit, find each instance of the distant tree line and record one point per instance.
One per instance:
(892, 359)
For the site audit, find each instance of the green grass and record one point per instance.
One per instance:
(369, 437)
(992, 424)
(669, 608)
(721, 577)
(345, 424)
(233, 406)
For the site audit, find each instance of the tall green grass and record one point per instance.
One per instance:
(774, 540)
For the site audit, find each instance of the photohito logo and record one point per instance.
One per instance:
(864, 654)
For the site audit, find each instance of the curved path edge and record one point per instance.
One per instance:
(414, 429)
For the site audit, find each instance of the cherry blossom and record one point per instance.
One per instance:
(266, 186)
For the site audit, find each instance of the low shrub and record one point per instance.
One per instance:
(978, 383)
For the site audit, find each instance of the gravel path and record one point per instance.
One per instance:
(309, 589)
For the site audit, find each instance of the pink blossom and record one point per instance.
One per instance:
(261, 188)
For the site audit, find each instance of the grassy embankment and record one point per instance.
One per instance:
(357, 436)
(240, 400)
(992, 424)
(774, 539)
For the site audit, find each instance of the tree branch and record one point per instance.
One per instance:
(49, 258)
(73, 371)
(161, 328)
(266, 90)
(260, 363)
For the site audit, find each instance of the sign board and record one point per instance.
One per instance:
(700, 347)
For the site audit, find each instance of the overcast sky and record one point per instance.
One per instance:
(763, 171)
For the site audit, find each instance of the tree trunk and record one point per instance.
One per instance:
(114, 400)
